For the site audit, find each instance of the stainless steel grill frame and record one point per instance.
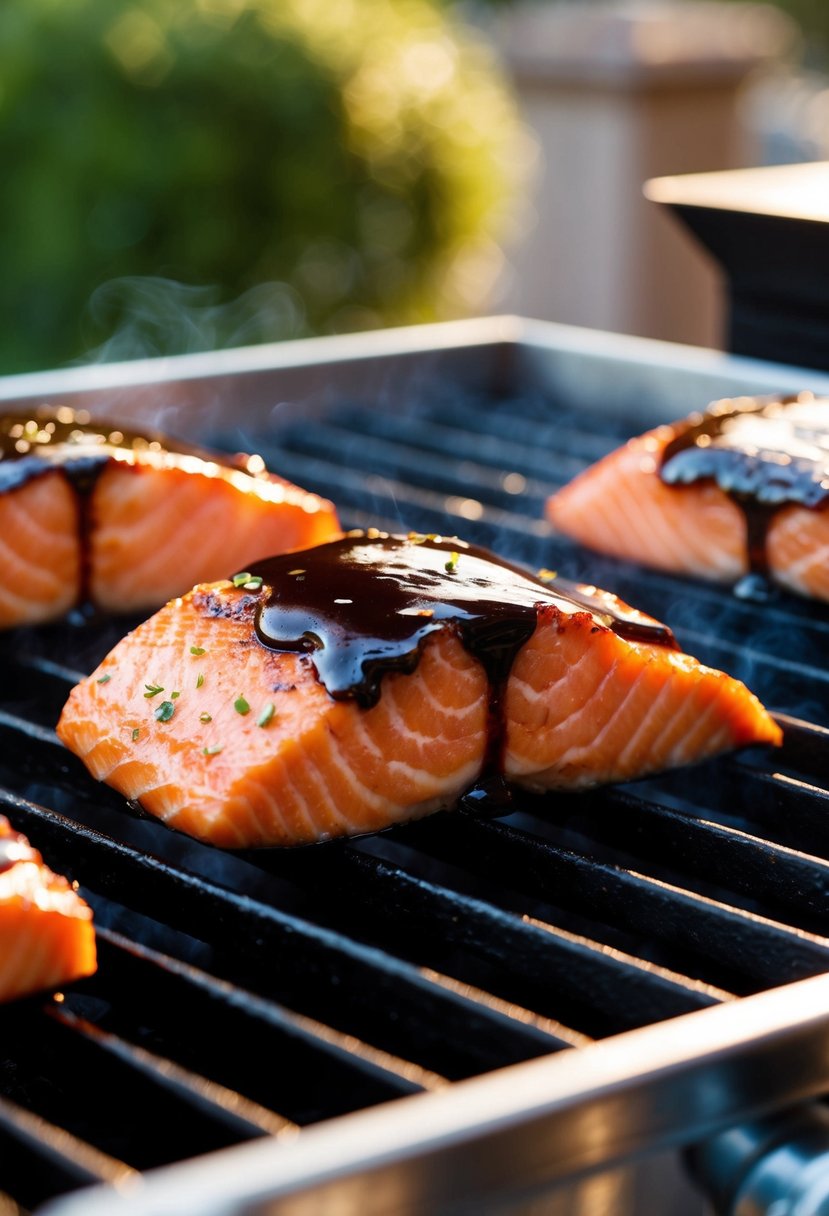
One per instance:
(485, 1141)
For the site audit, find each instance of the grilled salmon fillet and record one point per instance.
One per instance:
(46, 934)
(743, 488)
(374, 679)
(92, 513)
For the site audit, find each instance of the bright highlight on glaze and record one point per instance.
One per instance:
(742, 488)
(388, 702)
(91, 513)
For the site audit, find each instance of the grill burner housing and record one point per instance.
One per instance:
(519, 972)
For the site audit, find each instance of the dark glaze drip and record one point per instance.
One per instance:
(364, 605)
(47, 438)
(31, 444)
(764, 453)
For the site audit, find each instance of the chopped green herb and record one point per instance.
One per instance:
(212, 751)
(135, 733)
(266, 714)
(546, 575)
(452, 563)
(173, 695)
(297, 572)
(104, 679)
(205, 717)
(253, 584)
(241, 706)
(165, 711)
(239, 580)
(199, 680)
(152, 690)
(197, 650)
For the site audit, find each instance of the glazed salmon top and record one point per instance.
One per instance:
(764, 453)
(32, 444)
(773, 449)
(362, 605)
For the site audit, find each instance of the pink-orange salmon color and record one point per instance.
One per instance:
(621, 506)
(140, 523)
(46, 933)
(240, 745)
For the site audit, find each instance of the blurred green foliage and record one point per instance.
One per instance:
(326, 164)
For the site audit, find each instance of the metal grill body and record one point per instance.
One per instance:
(455, 1014)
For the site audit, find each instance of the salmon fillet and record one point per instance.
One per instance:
(428, 679)
(91, 513)
(46, 934)
(746, 491)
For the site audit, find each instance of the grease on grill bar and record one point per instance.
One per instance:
(252, 994)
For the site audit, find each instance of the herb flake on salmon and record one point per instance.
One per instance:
(395, 684)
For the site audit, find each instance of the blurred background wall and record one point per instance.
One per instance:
(616, 94)
(183, 174)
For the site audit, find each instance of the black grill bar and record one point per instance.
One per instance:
(240, 1118)
(499, 470)
(247, 1044)
(721, 945)
(473, 426)
(315, 969)
(70, 1077)
(534, 964)
(40, 1159)
(255, 994)
(786, 809)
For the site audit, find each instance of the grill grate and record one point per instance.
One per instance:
(247, 995)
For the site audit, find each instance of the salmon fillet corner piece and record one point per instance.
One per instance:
(621, 506)
(585, 706)
(91, 514)
(158, 530)
(240, 745)
(40, 551)
(46, 933)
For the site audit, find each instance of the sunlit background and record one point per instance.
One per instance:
(192, 174)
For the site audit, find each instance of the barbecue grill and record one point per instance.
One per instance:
(460, 1014)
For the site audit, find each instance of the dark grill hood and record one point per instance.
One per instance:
(464, 1011)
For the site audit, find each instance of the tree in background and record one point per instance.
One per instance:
(217, 172)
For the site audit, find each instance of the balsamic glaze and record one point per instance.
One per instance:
(364, 605)
(765, 453)
(32, 444)
(35, 443)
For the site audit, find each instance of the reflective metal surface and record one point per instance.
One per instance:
(499, 1139)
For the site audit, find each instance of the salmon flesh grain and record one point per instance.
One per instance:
(46, 933)
(93, 513)
(741, 489)
(374, 679)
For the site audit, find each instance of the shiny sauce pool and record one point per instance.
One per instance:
(765, 454)
(34, 443)
(364, 605)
